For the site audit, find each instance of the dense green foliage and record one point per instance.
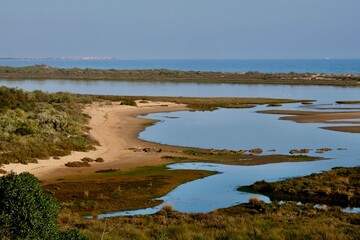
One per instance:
(47, 72)
(38, 125)
(26, 212)
(340, 186)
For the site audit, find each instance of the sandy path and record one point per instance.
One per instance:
(116, 128)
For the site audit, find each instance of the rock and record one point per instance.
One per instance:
(256, 150)
(298, 151)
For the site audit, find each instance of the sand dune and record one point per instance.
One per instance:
(116, 128)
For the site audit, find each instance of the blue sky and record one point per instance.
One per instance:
(181, 29)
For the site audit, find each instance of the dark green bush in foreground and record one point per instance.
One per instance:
(26, 212)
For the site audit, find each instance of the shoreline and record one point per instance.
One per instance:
(116, 128)
(107, 123)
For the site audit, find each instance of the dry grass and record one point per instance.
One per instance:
(272, 221)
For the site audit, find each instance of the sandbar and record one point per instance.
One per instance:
(336, 119)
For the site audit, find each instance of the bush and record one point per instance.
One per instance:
(77, 164)
(28, 213)
(99, 159)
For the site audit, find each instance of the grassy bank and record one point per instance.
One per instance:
(340, 186)
(116, 190)
(248, 157)
(46, 72)
(255, 220)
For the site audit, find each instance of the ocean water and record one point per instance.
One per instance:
(351, 66)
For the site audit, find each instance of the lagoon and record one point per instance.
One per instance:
(323, 94)
(241, 129)
(229, 129)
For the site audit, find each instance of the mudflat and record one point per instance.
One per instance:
(342, 121)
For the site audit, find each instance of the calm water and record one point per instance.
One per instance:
(314, 66)
(324, 94)
(241, 129)
(245, 129)
(219, 191)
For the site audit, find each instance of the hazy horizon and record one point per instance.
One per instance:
(181, 30)
(94, 58)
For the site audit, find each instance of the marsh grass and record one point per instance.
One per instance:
(119, 190)
(287, 221)
(240, 157)
(340, 186)
(254, 220)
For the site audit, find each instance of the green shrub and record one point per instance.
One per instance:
(28, 213)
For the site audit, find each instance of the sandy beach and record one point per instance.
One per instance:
(116, 128)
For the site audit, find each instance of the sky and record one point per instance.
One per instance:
(181, 29)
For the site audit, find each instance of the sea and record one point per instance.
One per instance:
(333, 66)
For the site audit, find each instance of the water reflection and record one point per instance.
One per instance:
(237, 129)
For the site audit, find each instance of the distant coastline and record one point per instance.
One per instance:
(44, 72)
(320, 66)
(57, 58)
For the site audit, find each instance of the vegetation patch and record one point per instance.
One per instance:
(39, 125)
(340, 186)
(77, 164)
(256, 151)
(239, 157)
(200, 103)
(164, 75)
(27, 213)
(114, 190)
(323, 150)
(99, 160)
(348, 102)
(256, 220)
(299, 151)
(87, 159)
